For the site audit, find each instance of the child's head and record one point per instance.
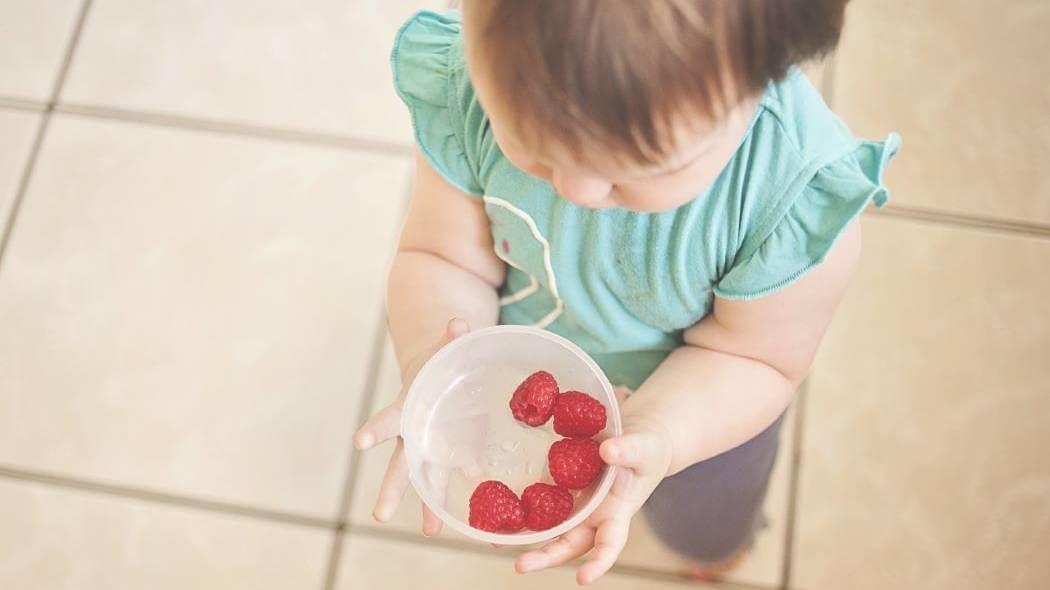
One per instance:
(633, 103)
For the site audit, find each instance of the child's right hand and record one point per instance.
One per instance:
(387, 424)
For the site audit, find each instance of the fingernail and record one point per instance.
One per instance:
(381, 515)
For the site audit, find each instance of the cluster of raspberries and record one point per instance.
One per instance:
(573, 461)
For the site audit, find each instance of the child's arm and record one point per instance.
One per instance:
(736, 374)
(743, 363)
(444, 269)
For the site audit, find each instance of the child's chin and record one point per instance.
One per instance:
(659, 209)
(637, 205)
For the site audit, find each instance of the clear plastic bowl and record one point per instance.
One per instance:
(459, 431)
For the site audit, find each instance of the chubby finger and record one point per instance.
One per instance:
(456, 327)
(431, 523)
(383, 426)
(609, 542)
(394, 484)
(559, 551)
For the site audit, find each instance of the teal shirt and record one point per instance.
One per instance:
(623, 285)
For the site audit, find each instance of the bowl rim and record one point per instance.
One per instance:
(603, 486)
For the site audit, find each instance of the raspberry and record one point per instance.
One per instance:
(578, 415)
(546, 506)
(496, 508)
(574, 463)
(533, 400)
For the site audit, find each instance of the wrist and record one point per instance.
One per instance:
(656, 429)
(411, 365)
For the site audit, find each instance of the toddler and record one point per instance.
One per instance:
(657, 182)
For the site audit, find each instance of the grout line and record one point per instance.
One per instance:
(67, 57)
(23, 185)
(331, 571)
(364, 411)
(481, 549)
(793, 486)
(41, 131)
(22, 104)
(230, 128)
(368, 397)
(919, 214)
(389, 533)
(378, 344)
(343, 142)
(673, 578)
(158, 497)
(680, 580)
(335, 552)
(394, 148)
(354, 457)
(1038, 230)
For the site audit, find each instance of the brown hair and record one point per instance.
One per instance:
(616, 72)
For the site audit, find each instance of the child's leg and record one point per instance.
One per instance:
(711, 510)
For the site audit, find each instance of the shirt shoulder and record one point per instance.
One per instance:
(430, 75)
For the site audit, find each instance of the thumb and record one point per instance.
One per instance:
(456, 327)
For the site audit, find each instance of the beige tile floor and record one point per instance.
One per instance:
(190, 300)
(34, 35)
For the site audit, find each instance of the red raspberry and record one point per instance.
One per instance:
(574, 463)
(578, 415)
(546, 506)
(533, 400)
(496, 508)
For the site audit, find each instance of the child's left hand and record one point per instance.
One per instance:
(643, 456)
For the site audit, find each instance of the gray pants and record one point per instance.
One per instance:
(708, 511)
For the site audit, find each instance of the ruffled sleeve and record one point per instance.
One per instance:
(424, 62)
(812, 222)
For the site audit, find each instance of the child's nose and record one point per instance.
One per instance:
(579, 189)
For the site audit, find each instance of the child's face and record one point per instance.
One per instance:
(701, 151)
